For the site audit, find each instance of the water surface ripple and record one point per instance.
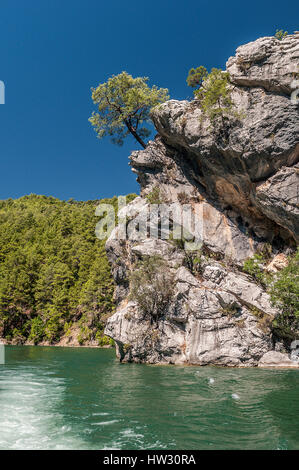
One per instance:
(72, 398)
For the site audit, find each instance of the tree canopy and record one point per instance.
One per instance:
(283, 288)
(197, 76)
(123, 107)
(285, 295)
(55, 277)
(213, 91)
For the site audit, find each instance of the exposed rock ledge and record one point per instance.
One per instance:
(277, 359)
(243, 180)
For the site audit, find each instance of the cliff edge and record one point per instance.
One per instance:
(240, 176)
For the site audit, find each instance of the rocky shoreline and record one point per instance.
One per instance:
(61, 344)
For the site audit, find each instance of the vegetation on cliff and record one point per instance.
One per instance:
(124, 105)
(283, 288)
(151, 286)
(212, 90)
(54, 273)
(285, 295)
(280, 34)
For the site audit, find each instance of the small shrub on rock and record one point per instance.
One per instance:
(285, 295)
(151, 286)
(280, 34)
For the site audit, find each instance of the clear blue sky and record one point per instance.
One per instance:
(53, 51)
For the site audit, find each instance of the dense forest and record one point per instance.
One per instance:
(55, 280)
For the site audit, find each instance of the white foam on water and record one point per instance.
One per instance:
(28, 412)
(235, 396)
(105, 423)
(211, 380)
(30, 417)
(111, 448)
(131, 434)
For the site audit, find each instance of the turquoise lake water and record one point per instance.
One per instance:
(72, 398)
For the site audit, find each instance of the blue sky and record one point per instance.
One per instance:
(52, 52)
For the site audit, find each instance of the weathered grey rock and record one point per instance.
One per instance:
(212, 319)
(229, 161)
(138, 340)
(246, 292)
(220, 230)
(266, 62)
(278, 199)
(276, 359)
(246, 154)
(240, 180)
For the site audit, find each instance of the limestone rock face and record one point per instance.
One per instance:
(239, 178)
(276, 359)
(267, 63)
(219, 317)
(221, 229)
(278, 198)
(233, 161)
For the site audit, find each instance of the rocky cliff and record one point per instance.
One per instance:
(240, 177)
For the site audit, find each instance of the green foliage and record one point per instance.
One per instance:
(127, 347)
(280, 34)
(180, 237)
(104, 340)
(67, 327)
(285, 295)
(254, 267)
(230, 310)
(213, 92)
(53, 270)
(283, 288)
(264, 320)
(37, 331)
(154, 196)
(124, 105)
(86, 333)
(193, 262)
(177, 242)
(197, 76)
(54, 325)
(151, 286)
